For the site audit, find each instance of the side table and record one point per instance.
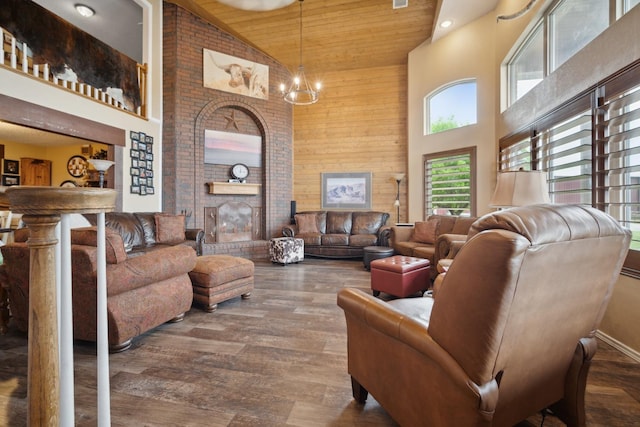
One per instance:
(375, 252)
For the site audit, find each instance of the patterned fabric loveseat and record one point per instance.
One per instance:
(144, 289)
(338, 234)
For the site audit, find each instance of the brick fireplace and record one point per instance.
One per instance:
(190, 109)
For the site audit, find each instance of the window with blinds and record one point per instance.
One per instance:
(450, 182)
(516, 156)
(564, 152)
(590, 149)
(618, 157)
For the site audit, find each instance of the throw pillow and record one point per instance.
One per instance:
(306, 223)
(426, 231)
(169, 228)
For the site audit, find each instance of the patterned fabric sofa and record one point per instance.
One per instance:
(338, 234)
(144, 289)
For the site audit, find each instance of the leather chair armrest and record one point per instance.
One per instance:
(148, 268)
(384, 235)
(443, 245)
(400, 234)
(289, 230)
(196, 234)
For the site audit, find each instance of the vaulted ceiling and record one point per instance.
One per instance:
(340, 34)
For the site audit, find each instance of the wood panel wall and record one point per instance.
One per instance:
(358, 125)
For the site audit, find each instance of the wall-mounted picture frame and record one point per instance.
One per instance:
(141, 170)
(9, 180)
(346, 190)
(11, 167)
(235, 75)
(227, 148)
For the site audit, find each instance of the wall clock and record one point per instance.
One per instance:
(239, 171)
(77, 166)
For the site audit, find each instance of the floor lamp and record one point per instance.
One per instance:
(398, 177)
(520, 188)
(101, 166)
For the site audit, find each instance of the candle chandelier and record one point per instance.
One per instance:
(300, 92)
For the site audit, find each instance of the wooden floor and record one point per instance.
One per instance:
(276, 359)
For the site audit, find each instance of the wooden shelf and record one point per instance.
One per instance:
(234, 188)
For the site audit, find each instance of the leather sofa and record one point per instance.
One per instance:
(145, 288)
(338, 234)
(146, 231)
(430, 239)
(511, 331)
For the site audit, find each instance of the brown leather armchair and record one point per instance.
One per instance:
(511, 331)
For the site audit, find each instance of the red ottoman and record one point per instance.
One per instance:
(400, 275)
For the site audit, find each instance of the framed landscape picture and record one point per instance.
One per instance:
(346, 190)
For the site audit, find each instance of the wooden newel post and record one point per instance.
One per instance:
(50, 392)
(43, 393)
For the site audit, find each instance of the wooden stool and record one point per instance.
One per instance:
(400, 275)
(218, 278)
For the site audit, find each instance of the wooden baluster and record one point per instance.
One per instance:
(43, 365)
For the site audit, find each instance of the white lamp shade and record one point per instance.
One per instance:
(520, 188)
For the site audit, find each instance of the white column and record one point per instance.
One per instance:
(104, 405)
(65, 314)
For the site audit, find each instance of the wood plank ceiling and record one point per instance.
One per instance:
(337, 34)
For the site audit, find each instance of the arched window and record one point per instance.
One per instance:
(451, 106)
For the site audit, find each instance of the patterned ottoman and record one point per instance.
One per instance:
(286, 250)
(400, 275)
(217, 278)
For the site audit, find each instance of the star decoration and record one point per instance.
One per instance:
(231, 120)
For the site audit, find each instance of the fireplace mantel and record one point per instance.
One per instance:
(234, 188)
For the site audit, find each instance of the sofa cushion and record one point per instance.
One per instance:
(148, 222)
(311, 239)
(426, 231)
(462, 225)
(169, 228)
(88, 236)
(367, 222)
(126, 224)
(446, 223)
(307, 223)
(339, 222)
(363, 240)
(335, 239)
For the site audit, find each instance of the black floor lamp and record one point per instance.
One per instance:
(398, 177)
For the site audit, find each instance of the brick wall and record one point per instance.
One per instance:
(190, 108)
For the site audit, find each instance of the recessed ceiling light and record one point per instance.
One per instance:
(446, 24)
(85, 10)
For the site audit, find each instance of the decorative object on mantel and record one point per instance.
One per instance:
(239, 173)
(141, 163)
(235, 75)
(300, 91)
